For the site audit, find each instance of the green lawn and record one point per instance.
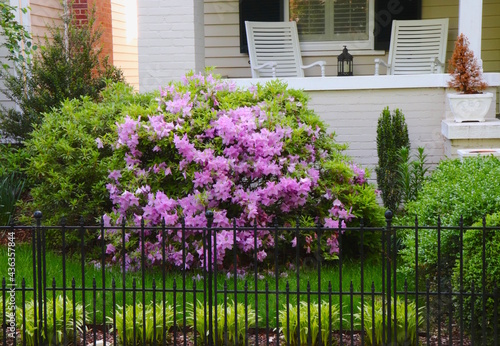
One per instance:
(97, 301)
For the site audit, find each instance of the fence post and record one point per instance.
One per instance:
(388, 272)
(39, 279)
(210, 217)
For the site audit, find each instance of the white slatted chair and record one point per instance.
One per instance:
(274, 50)
(417, 47)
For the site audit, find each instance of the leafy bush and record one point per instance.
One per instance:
(303, 323)
(374, 326)
(66, 169)
(227, 317)
(68, 66)
(74, 317)
(412, 173)
(392, 135)
(455, 189)
(153, 324)
(250, 154)
(472, 276)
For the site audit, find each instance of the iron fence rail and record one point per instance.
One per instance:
(261, 307)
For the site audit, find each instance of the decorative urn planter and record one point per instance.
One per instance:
(470, 107)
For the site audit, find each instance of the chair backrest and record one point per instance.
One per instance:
(274, 42)
(415, 44)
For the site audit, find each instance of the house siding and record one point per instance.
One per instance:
(424, 109)
(171, 40)
(125, 53)
(44, 13)
(222, 39)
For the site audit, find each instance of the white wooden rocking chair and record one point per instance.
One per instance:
(417, 47)
(274, 50)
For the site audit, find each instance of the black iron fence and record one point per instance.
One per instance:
(307, 286)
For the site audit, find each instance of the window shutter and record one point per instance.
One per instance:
(350, 17)
(386, 11)
(310, 16)
(260, 11)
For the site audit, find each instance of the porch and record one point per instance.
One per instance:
(351, 107)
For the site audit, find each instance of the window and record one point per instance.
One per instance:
(327, 25)
(330, 24)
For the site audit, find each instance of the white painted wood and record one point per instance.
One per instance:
(470, 15)
(417, 47)
(274, 50)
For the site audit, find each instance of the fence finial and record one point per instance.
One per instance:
(388, 215)
(209, 214)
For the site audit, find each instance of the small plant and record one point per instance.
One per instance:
(11, 187)
(411, 173)
(392, 135)
(227, 317)
(152, 326)
(54, 322)
(303, 323)
(374, 326)
(465, 72)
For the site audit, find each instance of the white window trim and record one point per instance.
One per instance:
(327, 47)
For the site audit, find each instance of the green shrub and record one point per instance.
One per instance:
(74, 317)
(69, 65)
(406, 332)
(302, 323)
(227, 317)
(412, 173)
(66, 169)
(153, 324)
(472, 276)
(392, 135)
(11, 187)
(468, 188)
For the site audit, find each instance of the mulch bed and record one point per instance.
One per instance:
(269, 338)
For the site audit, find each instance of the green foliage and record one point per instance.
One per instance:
(472, 277)
(412, 173)
(11, 187)
(68, 66)
(227, 317)
(405, 322)
(17, 38)
(153, 324)
(392, 135)
(304, 323)
(455, 189)
(66, 168)
(74, 317)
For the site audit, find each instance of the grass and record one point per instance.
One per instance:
(290, 287)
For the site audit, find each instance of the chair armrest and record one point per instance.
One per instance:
(320, 63)
(271, 64)
(437, 65)
(379, 62)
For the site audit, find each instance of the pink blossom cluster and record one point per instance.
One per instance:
(238, 163)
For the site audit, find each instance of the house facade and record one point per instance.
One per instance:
(156, 41)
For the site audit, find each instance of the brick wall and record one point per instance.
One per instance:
(80, 9)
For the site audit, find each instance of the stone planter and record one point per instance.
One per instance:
(470, 107)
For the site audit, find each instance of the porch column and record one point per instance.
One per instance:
(470, 14)
(171, 41)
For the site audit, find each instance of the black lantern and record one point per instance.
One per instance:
(344, 63)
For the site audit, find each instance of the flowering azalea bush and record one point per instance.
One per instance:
(251, 155)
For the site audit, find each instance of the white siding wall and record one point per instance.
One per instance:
(171, 40)
(353, 116)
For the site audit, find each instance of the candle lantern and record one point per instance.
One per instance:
(345, 63)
